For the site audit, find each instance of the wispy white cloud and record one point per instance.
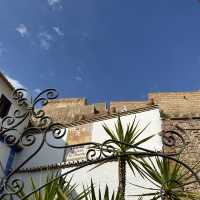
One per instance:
(44, 44)
(78, 78)
(14, 82)
(47, 75)
(55, 4)
(37, 90)
(22, 30)
(45, 35)
(45, 40)
(58, 31)
(80, 72)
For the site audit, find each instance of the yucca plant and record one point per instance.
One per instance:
(105, 196)
(169, 178)
(120, 137)
(56, 190)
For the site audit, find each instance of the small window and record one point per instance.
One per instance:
(5, 105)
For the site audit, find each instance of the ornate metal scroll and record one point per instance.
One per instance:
(29, 113)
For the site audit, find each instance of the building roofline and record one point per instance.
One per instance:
(56, 166)
(69, 164)
(7, 81)
(174, 92)
(72, 99)
(109, 116)
(106, 116)
(129, 101)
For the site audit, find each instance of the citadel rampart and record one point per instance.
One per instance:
(180, 111)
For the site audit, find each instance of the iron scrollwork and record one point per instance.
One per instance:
(29, 111)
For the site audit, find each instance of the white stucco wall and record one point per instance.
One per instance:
(105, 174)
(46, 156)
(4, 149)
(5, 90)
(108, 173)
(4, 154)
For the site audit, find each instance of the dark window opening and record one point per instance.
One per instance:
(5, 105)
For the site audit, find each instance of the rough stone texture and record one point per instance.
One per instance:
(60, 103)
(127, 105)
(100, 107)
(180, 111)
(172, 104)
(189, 129)
(178, 104)
(70, 113)
(73, 109)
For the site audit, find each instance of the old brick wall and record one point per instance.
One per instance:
(119, 106)
(180, 111)
(189, 129)
(178, 104)
(73, 109)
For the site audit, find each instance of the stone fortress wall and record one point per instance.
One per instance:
(180, 111)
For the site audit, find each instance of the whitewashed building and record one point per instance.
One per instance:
(78, 130)
(7, 107)
(50, 160)
(107, 174)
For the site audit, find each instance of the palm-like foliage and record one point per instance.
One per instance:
(56, 190)
(93, 196)
(169, 179)
(61, 190)
(122, 137)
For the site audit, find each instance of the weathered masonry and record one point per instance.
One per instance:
(179, 111)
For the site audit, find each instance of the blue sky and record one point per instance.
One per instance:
(101, 49)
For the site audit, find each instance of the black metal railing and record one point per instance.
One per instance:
(29, 112)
